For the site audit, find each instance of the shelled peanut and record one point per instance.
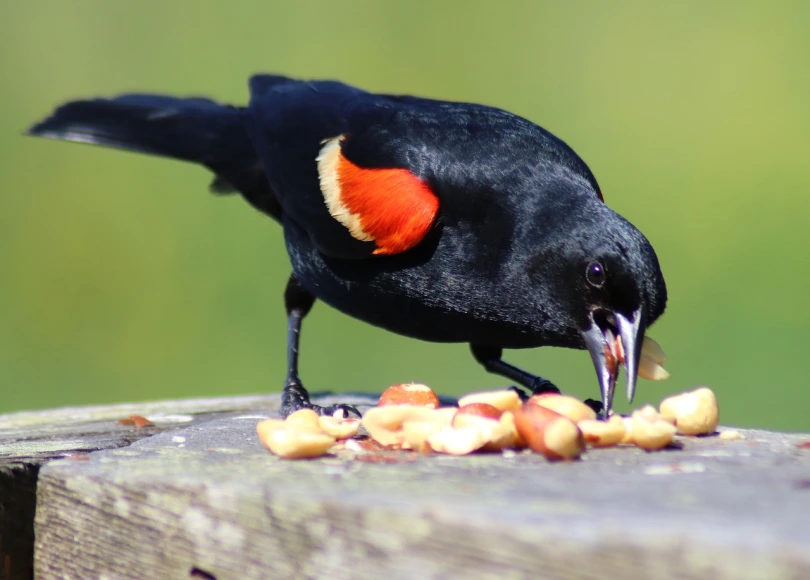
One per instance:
(567, 406)
(603, 433)
(549, 432)
(409, 394)
(649, 430)
(304, 435)
(650, 364)
(693, 413)
(557, 426)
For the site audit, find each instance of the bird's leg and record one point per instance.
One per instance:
(298, 302)
(490, 357)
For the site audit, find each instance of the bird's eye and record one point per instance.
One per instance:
(595, 274)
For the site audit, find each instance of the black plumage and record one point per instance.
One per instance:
(522, 252)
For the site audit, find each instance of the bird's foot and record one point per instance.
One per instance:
(538, 386)
(295, 397)
(521, 392)
(596, 406)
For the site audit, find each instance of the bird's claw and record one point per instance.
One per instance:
(295, 397)
(341, 411)
(540, 385)
(346, 411)
(596, 406)
(521, 392)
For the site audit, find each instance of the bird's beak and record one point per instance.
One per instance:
(600, 339)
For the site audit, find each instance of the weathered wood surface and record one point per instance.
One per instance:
(34, 437)
(30, 439)
(197, 496)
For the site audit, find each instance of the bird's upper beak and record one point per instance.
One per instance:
(600, 338)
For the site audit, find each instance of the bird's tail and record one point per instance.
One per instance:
(197, 130)
(190, 129)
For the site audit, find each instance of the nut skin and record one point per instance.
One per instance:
(567, 406)
(651, 361)
(409, 394)
(650, 349)
(475, 412)
(503, 400)
(694, 412)
(548, 432)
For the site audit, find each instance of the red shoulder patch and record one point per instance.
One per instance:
(390, 207)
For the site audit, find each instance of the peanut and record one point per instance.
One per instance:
(651, 360)
(627, 423)
(731, 435)
(339, 428)
(505, 435)
(652, 371)
(649, 430)
(460, 441)
(416, 430)
(505, 400)
(306, 419)
(650, 349)
(548, 432)
(603, 433)
(384, 424)
(694, 412)
(475, 413)
(567, 406)
(409, 394)
(293, 442)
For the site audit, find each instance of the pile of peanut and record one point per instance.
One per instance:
(560, 427)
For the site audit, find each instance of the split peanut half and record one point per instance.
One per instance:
(603, 433)
(694, 412)
(548, 432)
(299, 440)
(649, 430)
(567, 406)
(409, 394)
(505, 400)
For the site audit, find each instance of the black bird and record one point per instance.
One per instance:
(446, 222)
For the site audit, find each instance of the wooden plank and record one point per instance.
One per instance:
(208, 501)
(30, 439)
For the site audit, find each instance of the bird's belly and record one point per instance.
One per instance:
(428, 297)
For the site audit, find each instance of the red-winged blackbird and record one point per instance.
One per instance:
(447, 222)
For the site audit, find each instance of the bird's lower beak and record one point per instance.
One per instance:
(600, 339)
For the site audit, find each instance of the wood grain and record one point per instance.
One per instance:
(207, 501)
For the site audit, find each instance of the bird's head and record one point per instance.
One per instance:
(605, 279)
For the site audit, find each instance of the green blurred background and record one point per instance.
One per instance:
(122, 279)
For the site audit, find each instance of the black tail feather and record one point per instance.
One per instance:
(190, 129)
(196, 130)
